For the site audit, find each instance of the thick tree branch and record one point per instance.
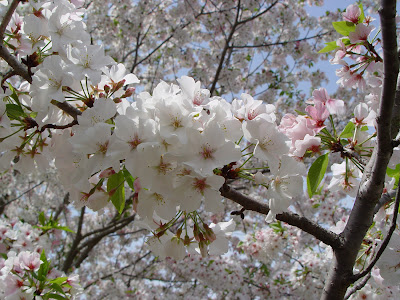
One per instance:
(371, 186)
(326, 236)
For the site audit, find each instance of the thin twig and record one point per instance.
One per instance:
(322, 234)
(280, 43)
(7, 17)
(5, 204)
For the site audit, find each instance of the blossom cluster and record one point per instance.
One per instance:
(171, 143)
(24, 269)
(174, 148)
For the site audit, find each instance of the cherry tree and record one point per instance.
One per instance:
(90, 161)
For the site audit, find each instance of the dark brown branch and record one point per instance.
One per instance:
(119, 270)
(53, 126)
(396, 112)
(19, 69)
(248, 203)
(385, 241)
(78, 237)
(95, 240)
(259, 14)
(107, 228)
(67, 108)
(280, 43)
(225, 50)
(371, 186)
(62, 206)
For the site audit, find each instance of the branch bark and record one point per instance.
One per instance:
(18, 67)
(371, 186)
(328, 237)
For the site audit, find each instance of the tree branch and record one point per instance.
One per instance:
(280, 43)
(119, 270)
(95, 240)
(358, 287)
(17, 66)
(385, 242)
(224, 51)
(371, 186)
(67, 108)
(7, 17)
(19, 69)
(326, 236)
(12, 200)
(74, 248)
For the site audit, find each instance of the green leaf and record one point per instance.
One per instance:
(362, 16)
(56, 296)
(277, 227)
(59, 280)
(344, 27)
(329, 47)
(42, 218)
(300, 112)
(394, 173)
(65, 228)
(316, 173)
(14, 95)
(14, 111)
(56, 287)
(265, 270)
(115, 185)
(348, 131)
(128, 178)
(44, 267)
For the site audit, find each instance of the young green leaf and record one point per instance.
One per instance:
(115, 186)
(59, 280)
(394, 173)
(56, 287)
(344, 27)
(362, 16)
(329, 47)
(14, 111)
(348, 131)
(42, 219)
(128, 178)
(44, 267)
(316, 173)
